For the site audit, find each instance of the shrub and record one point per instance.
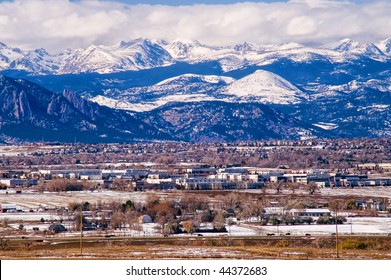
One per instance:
(355, 244)
(57, 228)
(6, 222)
(275, 221)
(282, 244)
(308, 220)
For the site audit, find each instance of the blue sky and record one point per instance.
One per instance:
(60, 24)
(192, 2)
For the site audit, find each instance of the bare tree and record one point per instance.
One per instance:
(4, 243)
(189, 227)
(293, 186)
(117, 220)
(311, 187)
(219, 220)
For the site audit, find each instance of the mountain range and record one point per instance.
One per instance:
(187, 91)
(146, 54)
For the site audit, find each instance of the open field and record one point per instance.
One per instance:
(29, 199)
(275, 247)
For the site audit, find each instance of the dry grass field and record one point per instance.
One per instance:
(275, 247)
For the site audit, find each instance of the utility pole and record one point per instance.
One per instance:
(351, 226)
(81, 230)
(336, 231)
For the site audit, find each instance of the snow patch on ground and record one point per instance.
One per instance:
(326, 126)
(123, 105)
(354, 225)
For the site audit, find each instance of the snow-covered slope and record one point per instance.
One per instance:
(357, 48)
(121, 104)
(261, 87)
(187, 84)
(7, 55)
(183, 88)
(241, 55)
(40, 62)
(145, 54)
(133, 55)
(191, 50)
(385, 46)
(265, 87)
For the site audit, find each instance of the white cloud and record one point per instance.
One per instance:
(301, 26)
(60, 24)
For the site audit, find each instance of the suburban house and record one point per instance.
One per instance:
(310, 212)
(8, 208)
(200, 183)
(15, 183)
(82, 174)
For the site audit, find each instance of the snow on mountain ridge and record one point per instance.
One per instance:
(156, 103)
(355, 47)
(7, 55)
(133, 55)
(145, 54)
(385, 46)
(120, 104)
(260, 87)
(213, 79)
(265, 87)
(182, 88)
(39, 61)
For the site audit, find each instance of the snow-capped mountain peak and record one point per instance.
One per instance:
(385, 46)
(185, 49)
(133, 44)
(144, 53)
(133, 55)
(191, 78)
(265, 87)
(7, 55)
(347, 44)
(246, 47)
(38, 61)
(355, 47)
